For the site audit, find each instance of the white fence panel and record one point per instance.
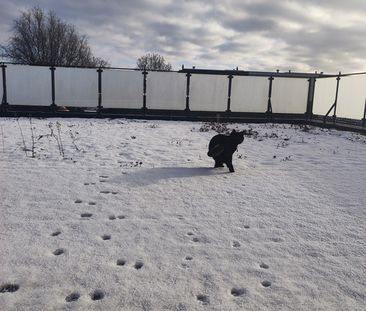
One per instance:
(208, 93)
(76, 87)
(351, 97)
(324, 95)
(28, 85)
(122, 89)
(249, 94)
(289, 95)
(166, 90)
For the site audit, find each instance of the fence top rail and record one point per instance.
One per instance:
(268, 73)
(206, 71)
(85, 67)
(353, 74)
(234, 72)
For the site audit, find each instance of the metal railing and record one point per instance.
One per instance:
(229, 93)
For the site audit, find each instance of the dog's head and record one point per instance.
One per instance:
(237, 137)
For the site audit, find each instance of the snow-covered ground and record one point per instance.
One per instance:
(135, 217)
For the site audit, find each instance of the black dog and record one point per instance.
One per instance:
(222, 147)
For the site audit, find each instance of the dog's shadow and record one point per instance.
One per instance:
(143, 177)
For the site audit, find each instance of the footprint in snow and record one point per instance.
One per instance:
(202, 239)
(138, 265)
(86, 215)
(106, 237)
(236, 244)
(97, 294)
(236, 292)
(56, 233)
(204, 299)
(121, 262)
(72, 297)
(277, 240)
(266, 283)
(8, 288)
(59, 251)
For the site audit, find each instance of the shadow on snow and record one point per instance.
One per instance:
(143, 177)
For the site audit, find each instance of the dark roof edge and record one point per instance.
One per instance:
(256, 73)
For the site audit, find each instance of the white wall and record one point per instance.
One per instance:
(28, 85)
(122, 88)
(249, 94)
(351, 97)
(324, 95)
(208, 93)
(76, 87)
(289, 95)
(166, 90)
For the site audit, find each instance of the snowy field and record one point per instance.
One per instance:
(132, 217)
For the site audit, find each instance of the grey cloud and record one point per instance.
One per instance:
(250, 24)
(214, 33)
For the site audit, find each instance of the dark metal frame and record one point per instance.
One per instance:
(100, 107)
(188, 85)
(186, 114)
(364, 114)
(310, 101)
(4, 100)
(53, 86)
(334, 106)
(230, 77)
(269, 104)
(145, 73)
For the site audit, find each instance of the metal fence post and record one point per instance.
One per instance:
(188, 75)
(4, 100)
(310, 101)
(364, 114)
(100, 70)
(336, 98)
(334, 106)
(229, 93)
(144, 90)
(53, 86)
(269, 105)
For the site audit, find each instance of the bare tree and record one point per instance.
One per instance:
(153, 62)
(41, 38)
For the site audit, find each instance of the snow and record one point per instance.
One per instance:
(286, 231)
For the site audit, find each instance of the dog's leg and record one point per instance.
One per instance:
(219, 164)
(229, 164)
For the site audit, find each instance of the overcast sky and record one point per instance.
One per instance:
(307, 35)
